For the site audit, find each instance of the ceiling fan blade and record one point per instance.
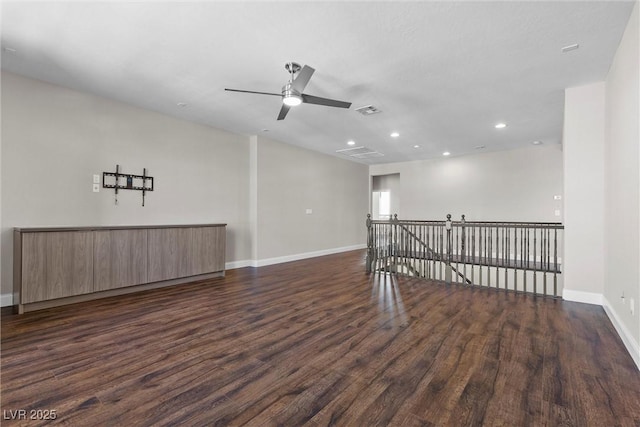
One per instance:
(310, 99)
(302, 79)
(251, 91)
(283, 112)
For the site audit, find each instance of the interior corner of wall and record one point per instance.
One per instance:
(627, 338)
(253, 195)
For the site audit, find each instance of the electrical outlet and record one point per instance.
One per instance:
(96, 179)
(556, 212)
(96, 188)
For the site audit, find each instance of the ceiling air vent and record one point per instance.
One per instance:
(368, 110)
(360, 152)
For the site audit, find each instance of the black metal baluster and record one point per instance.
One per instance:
(555, 262)
(473, 254)
(535, 272)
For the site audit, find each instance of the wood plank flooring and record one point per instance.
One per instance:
(318, 342)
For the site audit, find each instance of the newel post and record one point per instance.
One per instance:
(448, 227)
(369, 259)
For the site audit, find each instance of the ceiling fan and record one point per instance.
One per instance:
(292, 92)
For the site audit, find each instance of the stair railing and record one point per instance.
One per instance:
(516, 256)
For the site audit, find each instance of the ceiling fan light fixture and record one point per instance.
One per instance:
(290, 96)
(292, 100)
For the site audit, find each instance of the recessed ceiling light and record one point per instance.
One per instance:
(351, 143)
(570, 48)
(501, 125)
(537, 142)
(265, 130)
(479, 147)
(416, 146)
(9, 49)
(446, 153)
(181, 104)
(394, 134)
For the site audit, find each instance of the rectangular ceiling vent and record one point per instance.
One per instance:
(368, 110)
(360, 152)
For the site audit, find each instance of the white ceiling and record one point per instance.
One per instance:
(443, 73)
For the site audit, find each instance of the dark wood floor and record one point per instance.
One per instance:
(319, 342)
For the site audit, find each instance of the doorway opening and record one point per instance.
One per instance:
(385, 196)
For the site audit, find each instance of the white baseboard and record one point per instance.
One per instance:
(580, 296)
(6, 300)
(305, 255)
(287, 258)
(238, 264)
(629, 342)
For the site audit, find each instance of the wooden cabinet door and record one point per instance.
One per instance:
(183, 252)
(164, 252)
(120, 258)
(207, 250)
(56, 265)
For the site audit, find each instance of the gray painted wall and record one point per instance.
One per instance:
(622, 183)
(516, 185)
(583, 140)
(291, 180)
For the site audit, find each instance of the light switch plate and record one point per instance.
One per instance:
(96, 179)
(557, 197)
(309, 211)
(556, 212)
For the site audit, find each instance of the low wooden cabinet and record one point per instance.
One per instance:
(56, 266)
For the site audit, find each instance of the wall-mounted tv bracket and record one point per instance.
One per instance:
(127, 181)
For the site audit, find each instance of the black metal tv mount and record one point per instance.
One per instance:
(127, 181)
